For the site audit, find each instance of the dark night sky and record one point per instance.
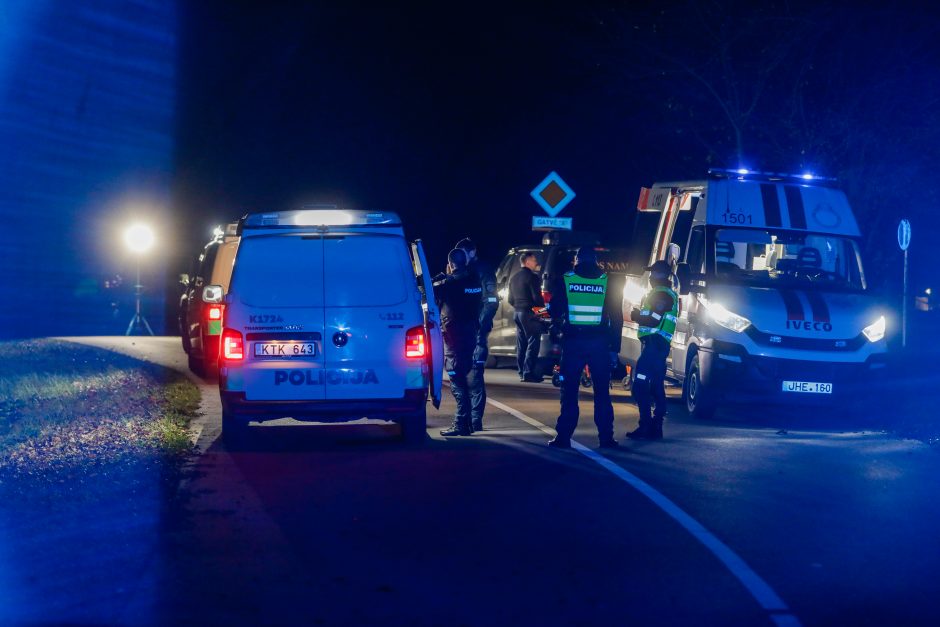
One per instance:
(449, 118)
(448, 114)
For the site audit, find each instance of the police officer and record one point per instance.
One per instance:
(586, 308)
(458, 296)
(525, 293)
(656, 318)
(490, 298)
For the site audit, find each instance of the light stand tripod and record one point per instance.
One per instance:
(138, 321)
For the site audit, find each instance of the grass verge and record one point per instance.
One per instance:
(64, 406)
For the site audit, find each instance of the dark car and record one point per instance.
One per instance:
(555, 256)
(200, 310)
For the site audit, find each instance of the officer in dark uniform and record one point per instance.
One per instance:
(656, 318)
(458, 295)
(586, 309)
(525, 293)
(490, 304)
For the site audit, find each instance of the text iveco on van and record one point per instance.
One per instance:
(329, 317)
(774, 300)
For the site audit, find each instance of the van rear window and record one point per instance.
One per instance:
(279, 271)
(366, 271)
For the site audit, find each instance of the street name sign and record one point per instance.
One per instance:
(542, 223)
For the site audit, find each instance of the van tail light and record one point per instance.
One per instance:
(214, 312)
(415, 343)
(233, 346)
(546, 296)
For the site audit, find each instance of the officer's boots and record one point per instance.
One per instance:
(648, 429)
(461, 426)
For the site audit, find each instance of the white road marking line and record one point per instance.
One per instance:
(760, 590)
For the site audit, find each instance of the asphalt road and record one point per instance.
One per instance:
(762, 516)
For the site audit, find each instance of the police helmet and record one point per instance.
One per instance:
(457, 258)
(660, 271)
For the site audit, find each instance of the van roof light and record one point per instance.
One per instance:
(321, 217)
(758, 175)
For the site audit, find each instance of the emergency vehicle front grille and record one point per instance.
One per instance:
(798, 370)
(804, 343)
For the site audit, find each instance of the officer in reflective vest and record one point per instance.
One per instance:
(656, 319)
(586, 311)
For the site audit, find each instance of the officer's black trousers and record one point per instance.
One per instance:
(528, 338)
(458, 361)
(480, 354)
(649, 384)
(577, 353)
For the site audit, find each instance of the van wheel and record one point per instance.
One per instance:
(492, 361)
(414, 427)
(699, 400)
(234, 427)
(586, 381)
(197, 366)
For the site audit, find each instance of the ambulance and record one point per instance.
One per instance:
(775, 307)
(330, 317)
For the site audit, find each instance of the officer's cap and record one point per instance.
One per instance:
(457, 258)
(660, 270)
(586, 254)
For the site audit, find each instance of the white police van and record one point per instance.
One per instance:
(329, 317)
(774, 303)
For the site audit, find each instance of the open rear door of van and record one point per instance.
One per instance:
(432, 323)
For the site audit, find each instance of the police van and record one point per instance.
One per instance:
(330, 317)
(774, 302)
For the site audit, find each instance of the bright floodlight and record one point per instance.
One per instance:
(139, 238)
(808, 176)
(743, 171)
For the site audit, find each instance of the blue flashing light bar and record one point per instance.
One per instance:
(742, 173)
(320, 218)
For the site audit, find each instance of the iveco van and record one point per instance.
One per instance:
(330, 317)
(774, 302)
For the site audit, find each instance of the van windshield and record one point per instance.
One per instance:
(767, 258)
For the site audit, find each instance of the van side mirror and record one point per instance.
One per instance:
(689, 282)
(212, 294)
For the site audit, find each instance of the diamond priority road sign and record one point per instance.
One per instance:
(552, 194)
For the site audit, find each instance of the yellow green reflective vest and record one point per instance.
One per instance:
(585, 299)
(667, 324)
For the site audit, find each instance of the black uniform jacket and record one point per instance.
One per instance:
(611, 325)
(459, 297)
(487, 279)
(525, 290)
